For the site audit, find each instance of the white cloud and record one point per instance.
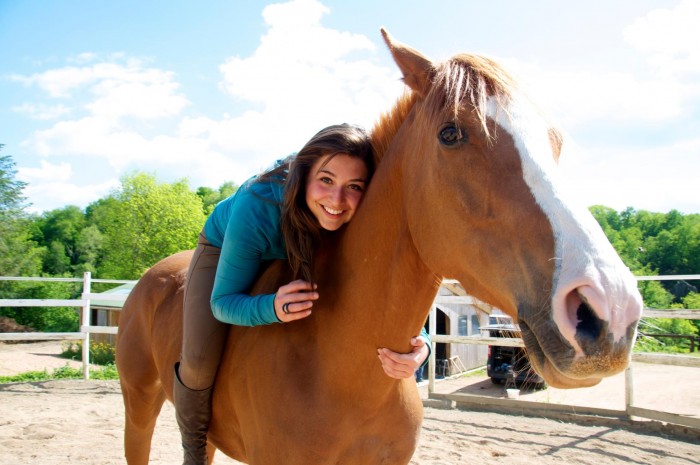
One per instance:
(52, 186)
(50, 195)
(304, 76)
(142, 94)
(48, 172)
(117, 89)
(301, 78)
(40, 111)
(669, 41)
(581, 96)
(669, 37)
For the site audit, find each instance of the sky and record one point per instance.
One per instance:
(215, 91)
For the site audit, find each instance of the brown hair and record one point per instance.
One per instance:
(300, 227)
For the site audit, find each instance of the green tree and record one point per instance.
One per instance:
(211, 197)
(145, 221)
(19, 254)
(88, 245)
(61, 227)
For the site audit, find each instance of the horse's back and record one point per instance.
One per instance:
(150, 324)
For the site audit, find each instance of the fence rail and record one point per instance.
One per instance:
(86, 328)
(542, 408)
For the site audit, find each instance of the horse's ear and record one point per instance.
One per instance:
(417, 69)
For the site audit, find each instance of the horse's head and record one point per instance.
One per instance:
(479, 171)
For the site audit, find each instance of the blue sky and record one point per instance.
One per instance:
(215, 91)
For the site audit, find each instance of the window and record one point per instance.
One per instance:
(462, 326)
(476, 326)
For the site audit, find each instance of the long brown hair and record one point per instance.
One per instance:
(300, 227)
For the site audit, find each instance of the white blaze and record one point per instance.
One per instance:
(585, 261)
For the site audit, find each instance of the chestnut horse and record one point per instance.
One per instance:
(466, 189)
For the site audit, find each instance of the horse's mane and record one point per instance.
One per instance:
(464, 78)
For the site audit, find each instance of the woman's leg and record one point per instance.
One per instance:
(202, 345)
(203, 336)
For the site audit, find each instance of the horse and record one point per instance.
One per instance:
(466, 188)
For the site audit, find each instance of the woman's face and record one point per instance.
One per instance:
(334, 189)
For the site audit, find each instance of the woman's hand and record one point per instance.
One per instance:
(293, 301)
(402, 366)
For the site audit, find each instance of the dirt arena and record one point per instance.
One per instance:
(79, 422)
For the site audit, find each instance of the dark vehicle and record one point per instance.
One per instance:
(509, 365)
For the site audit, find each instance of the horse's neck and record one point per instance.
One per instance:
(382, 289)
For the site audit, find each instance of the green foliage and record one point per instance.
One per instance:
(658, 244)
(211, 197)
(101, 353)
(19, 254)
(43, 319)
(63, 233)
(692, 300)
(650, 343)
(144, 222)
(108, 372)
(11, 190)
(654, 294)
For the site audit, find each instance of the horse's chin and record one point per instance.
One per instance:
(548, 370)
(556, 379)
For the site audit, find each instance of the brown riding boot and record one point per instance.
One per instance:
(193, 413)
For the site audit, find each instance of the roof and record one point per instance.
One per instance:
(123, 289)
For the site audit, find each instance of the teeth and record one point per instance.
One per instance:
(333, 212)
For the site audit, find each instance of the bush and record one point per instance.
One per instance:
(101, 353)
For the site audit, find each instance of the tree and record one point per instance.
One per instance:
(211, 197)
(60, 231)
(19, 255)
(144, 221)
(88, 245)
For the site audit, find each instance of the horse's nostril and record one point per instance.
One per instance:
(589, 326)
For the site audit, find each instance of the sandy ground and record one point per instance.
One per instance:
(79, 422)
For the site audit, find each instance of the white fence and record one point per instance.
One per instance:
(536, 407)
(86, 328)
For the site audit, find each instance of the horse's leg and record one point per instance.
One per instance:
(142, 405)
(141, 386)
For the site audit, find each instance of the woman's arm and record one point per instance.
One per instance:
(252, 223)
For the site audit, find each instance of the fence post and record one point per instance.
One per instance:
(432, 329)
(85, 324)
(629, 388)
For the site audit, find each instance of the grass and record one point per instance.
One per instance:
(100, 354)
(107, 372)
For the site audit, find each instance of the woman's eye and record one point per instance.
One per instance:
(356, 187)
(450, 135)
(326, 180)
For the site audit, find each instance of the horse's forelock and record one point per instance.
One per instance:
(469, 80)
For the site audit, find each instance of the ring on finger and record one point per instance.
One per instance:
(285, 308)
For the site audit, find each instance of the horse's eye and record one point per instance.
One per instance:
(451, 135)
